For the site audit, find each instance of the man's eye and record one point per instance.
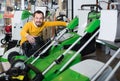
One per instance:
(39, 18)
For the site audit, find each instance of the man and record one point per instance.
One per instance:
(33, 29)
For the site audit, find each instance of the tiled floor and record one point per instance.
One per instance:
(101, 56)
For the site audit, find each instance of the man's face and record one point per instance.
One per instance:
(38, 19)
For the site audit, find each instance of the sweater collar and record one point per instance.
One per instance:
(35, 24)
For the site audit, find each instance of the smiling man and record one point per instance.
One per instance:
(34, 28)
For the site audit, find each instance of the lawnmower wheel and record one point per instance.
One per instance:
(12, 55)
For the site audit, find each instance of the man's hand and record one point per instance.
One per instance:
(30, 39)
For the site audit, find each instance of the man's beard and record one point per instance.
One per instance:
(38, 24)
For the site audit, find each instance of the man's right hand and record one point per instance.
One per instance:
(30, 39)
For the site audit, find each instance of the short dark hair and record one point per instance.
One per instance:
(39, 12)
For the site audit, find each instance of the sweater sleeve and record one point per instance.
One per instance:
(56, 23)
(24, 30)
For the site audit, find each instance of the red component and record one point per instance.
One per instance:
(8, 29)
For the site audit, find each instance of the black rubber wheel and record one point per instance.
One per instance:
(12, 55)
(3, 41)
(18, 64)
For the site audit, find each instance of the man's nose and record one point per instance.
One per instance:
(39, 19)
